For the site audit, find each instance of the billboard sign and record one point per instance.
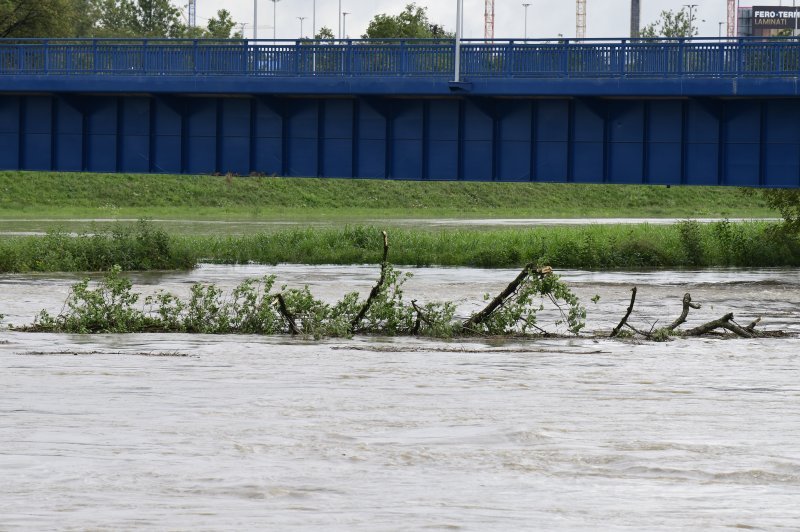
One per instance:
(775, 17)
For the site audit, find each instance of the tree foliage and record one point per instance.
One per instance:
(672, 24)
(29, 18)
(105, 18)
(411, 23)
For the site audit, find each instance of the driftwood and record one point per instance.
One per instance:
(375, 289)
(726, 323)
(502, 297)
(293, 328)
(420, 318)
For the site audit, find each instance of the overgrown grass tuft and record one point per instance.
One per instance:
(137, 246)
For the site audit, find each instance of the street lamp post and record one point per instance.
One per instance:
(301, 19)
(344, 24)
(340, 19)
(314, 19)
(794, 8)
(459, 30)
(255, 20)
(275, 19)
(526, 6)
(691, 18)
(720, 29)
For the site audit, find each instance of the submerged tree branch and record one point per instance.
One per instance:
(375, 289)
(293, 328)
(624, 320)
(502, 297)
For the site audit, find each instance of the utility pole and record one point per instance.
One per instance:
(691, 18)
(459, 25)
(526, 6)
(192, 13)
(636, 12)
(580, 19)
(275, 19)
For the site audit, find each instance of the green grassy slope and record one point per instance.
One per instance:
(64, 195)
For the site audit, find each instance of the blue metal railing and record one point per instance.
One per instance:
(588, 58)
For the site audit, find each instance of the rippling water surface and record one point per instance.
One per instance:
(202, 432)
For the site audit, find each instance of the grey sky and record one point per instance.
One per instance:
(547, 18)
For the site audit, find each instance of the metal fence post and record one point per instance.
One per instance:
(565, 58)
(622, 59)
(739, 57)
(145, 54)
(94, 56)
(46, 58)
(403, 66)
(509, 60)
(681, 55)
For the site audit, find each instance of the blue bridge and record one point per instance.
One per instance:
(672, 111)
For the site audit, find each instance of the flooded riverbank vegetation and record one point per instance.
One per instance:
(259, 306)
(143, 246)
(256, 306)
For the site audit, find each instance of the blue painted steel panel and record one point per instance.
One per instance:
(588, 162)
(552, 163)
(782, 165)
(702, 163)
(408, 162)
(9, 132)
(201, 139)
(303, 154)
(742, 163)
(166, 144)
(100, 137)
(234, 141)
(664, 163)
(443, 155)
(477, 163)
(626, 162)
(337, 141)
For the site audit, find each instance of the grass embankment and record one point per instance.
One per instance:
(688, 244)
(70, 195)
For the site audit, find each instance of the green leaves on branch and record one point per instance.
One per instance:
(254, 307)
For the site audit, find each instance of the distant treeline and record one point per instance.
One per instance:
(106, 18)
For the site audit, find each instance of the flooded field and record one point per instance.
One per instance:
(201, 432)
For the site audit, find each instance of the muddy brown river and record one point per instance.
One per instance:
(179, 432)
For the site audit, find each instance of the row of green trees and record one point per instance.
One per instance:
(105, 18)
(160, 18)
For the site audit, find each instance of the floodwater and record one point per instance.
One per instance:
(186, 432)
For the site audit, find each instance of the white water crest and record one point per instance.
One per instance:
(198, 432)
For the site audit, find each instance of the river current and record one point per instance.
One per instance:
(184, 432)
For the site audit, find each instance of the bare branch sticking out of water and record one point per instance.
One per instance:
(624, 320)
(725, 323)
(375, 289)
